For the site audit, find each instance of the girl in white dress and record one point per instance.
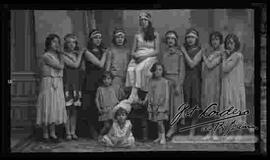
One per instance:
(144, 55)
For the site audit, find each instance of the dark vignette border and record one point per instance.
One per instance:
(5, 65)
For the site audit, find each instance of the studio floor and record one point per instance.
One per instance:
(178, 143)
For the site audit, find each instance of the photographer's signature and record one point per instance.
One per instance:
(231, 113)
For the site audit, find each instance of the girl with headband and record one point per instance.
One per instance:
(173, 61)
(95, 57)
(117, 61)
(144, 55)
(192, 82)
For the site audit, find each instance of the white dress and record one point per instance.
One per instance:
(138, 74)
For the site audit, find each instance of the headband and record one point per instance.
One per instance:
(95, 33)
(119, 31)
(192, 34)
(144, 15)
(171, 35)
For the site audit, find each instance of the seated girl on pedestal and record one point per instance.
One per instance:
(144, 55)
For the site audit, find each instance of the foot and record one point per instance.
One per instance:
(238, 138)
(207, 137)
(163, 141)
(54, 138)
(157, 140)
(215, 138)
(229, 138)
(68, 137)
(45, 138)
(74, 137)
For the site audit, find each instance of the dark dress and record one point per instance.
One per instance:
(91, 82)
(73, 79)
(192, 82)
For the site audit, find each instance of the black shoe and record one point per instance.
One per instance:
(55, 140)
(45, 140)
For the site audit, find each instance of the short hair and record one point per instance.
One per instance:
(49, 39)
(216, 34)
(119, 111)
(171, 32)
(235, 39)
(154, 67)
(73, 36)
(107, 74)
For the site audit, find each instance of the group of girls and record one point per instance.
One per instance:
(95, 80)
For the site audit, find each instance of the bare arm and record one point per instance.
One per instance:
(192, 62)
(108, 60)
(92, 58)
(230, 63)
(97, 100)
(182, 69)
(134, 47)
(51, 62)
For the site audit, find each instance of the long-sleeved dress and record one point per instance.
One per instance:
(211, 80)
(51, 101)
(233, 87)
(175, 72)
(158, 99)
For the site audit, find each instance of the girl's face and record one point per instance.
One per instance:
(230, 45)
(191, 40)
(171, 41)
(121, 118)
(71, 43)
(159, 71)
(215, 42)
(107, 81)
(55, 44)
(97, 40)
(144, 23)
(120, 40)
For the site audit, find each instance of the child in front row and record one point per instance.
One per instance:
(158, 100)
(106, 99)
(120, 134)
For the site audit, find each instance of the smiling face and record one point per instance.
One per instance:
(215, 42)
(97, 40)
(71, 43)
